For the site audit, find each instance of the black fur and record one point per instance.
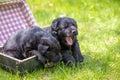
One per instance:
(64, 28)
(33, 41)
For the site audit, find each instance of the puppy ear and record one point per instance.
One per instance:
(54, 27)
(42, 48)
(55, 24)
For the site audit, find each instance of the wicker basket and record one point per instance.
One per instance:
(15, 15)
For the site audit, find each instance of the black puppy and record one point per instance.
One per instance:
(33, 41)
(65, 30)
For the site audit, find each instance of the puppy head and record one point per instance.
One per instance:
(49, 47)
(65, 29)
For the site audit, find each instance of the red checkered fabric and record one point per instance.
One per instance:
(14, 15)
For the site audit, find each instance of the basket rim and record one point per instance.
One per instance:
(15, 59)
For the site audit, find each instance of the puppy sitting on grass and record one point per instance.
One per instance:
(65, 31)
(33, 41)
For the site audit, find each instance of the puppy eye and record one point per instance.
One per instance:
(65, 26)
(50, 49)
(75, 25)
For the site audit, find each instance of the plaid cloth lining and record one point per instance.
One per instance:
(14, 15)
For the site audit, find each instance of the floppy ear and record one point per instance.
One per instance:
(42, 48)
(54, 26)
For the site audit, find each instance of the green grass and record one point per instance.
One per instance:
(99, 37)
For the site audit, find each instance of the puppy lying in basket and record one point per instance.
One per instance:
(65, 31)
(33, 41)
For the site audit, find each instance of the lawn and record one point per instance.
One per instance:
(99, 38)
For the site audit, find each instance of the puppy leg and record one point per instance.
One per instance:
(68, 59)
(76, 52)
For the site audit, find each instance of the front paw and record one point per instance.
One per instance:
(69, 61)
(80, 58)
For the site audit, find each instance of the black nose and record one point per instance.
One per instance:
(74, 32)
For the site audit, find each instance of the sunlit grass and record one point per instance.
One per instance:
(99, 37)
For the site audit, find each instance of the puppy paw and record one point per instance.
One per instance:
(70, 63)
(80, 59)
